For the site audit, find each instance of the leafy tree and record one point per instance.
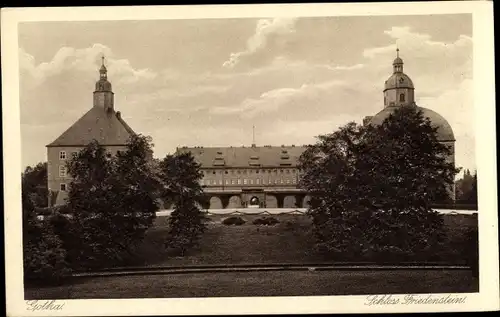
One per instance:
(112, 198)
(372, 187)
(467, 188)
(34, 184)
(44, 259)
(181, 175)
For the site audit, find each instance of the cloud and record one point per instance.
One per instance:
(69, 60)
(264, 30)
(274, 100)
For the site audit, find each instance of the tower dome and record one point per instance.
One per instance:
(444, 131)
(401, 84)
(399, 89)
(103, 84)
(103, 94)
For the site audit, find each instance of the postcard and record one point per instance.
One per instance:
(250, 159)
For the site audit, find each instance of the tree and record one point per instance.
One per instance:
(181, 176)
(44, 259)
(467, 188)
(112, 199)
(372, 187)
(34, 184)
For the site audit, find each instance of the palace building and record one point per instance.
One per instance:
(233, 177)
(267, 176)
(255, 176)
(101, 123)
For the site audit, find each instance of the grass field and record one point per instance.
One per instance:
(290, 241)
(285, 283)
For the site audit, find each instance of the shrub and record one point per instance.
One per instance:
(236, 221)
(44, 258)
(266, 221)
(65, 228)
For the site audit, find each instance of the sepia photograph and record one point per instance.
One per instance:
(195, 155)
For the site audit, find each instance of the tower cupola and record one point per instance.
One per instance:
(399, 89)
(103, 94)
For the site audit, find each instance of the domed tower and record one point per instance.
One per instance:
(103, 94)
(398, 92)
(399, 89)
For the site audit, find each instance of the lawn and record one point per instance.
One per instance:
(282, 283)
(290, 241)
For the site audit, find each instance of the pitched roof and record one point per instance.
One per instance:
(108, 128)
(266, 156)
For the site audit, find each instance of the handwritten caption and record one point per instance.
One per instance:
(427, 299)
(37, 305)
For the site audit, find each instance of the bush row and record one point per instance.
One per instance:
(238, 221)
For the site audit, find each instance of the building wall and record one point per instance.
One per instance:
(56, 177)
(238, 178)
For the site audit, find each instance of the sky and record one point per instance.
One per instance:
(206, 82)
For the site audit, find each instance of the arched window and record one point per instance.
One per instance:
(402, 97)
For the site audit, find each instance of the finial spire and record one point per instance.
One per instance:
(102, 57)
(397, 51)
(253, 136)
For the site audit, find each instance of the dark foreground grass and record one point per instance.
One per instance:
(283, 283)
(290, 241)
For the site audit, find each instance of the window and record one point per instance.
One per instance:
(288, 181)
(232, 182)
(245, 181)
(213, 172)
(62, 155)
(251, 181)
(63, 187)
(293, 181)
(227, 181)
(281, 181)
(257, 181)
(276, 181)
(288, 171)
(239, 181)
(402, 97)
(225, 172)
(220, 181)
(62, 171)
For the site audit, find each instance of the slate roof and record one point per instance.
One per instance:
(262, 156)
(108, 128)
